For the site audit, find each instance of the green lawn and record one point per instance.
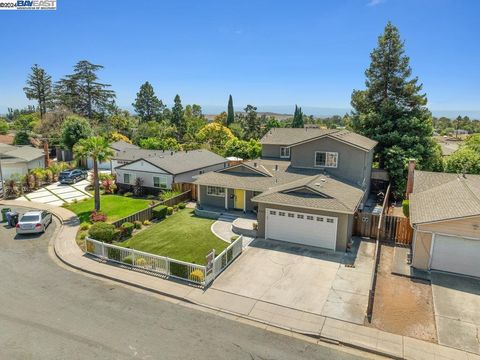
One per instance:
(182, 236)
(115, 206)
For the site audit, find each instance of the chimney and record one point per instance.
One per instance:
(411, 169)
(46, 153)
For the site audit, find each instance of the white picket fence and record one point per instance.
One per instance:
(165, 266)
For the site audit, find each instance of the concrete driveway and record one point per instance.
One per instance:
(57, 194)
(457, 310)
(304, 278)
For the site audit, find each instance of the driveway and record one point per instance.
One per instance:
(457, 310)
(304, 278)
(57, 194)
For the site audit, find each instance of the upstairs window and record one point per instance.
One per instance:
(215, 191)
(285, 152)
(326, 159)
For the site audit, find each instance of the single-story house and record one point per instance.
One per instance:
(160, 169)
(19, 160)
(117, 147)
(305, 188)
(445, 216)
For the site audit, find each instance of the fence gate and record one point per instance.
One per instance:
(393, 228)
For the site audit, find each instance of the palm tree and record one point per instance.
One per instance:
(98, 150)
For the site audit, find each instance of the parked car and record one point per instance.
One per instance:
(72, 176)
(33, 222)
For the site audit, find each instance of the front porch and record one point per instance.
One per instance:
(224, 199)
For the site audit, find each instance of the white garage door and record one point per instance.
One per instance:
(456, 254)
(301, 228)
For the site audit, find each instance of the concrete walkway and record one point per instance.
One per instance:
(241, 308)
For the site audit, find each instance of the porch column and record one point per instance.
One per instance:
(198, 194)
(226, 198)
(244, 201)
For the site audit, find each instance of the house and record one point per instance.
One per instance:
(19, 160)
(305, 188)
(445, 216)
(117, 147)
(160, 169)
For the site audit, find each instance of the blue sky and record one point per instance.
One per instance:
(272, 54)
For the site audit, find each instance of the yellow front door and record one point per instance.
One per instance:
(239, 198)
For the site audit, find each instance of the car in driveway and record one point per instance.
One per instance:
(34, 222)
(72, 176)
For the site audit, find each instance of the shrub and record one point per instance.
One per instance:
(98, 217)
(128, 194)
(255, 226)
(169, 210)
(90, 247)
(182, 205)
(197, 275)
(168, 194)
(147, 223)
(138, 187)
(117, 234)
(175, 207)
(151, 197)
(83, 235)
(127, 228)
(141, 262)
(102, 231)
(406, 208)
(128, 259)
(114, 254)
(108, 186)
(84, 226)
(159, 212)
(137, 224)
(179, 270)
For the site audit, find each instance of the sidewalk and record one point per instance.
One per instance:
(270, 315)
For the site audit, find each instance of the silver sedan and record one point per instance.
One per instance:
(34, 222)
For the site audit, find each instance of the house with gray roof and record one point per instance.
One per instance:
(304, 189)
(445, 216)
(161, 169)
(116, 147)
(19, 160)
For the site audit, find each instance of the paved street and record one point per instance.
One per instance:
(49, 312)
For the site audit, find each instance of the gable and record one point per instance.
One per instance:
(243, 169)
(142, 166)
(304, 191)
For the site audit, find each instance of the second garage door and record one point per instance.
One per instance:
(301, 228)
(456, 254)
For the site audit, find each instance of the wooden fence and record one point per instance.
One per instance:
(184, 187)
(394, 229)
(185, 196)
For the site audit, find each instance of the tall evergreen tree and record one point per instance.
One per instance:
(178, 117)
(39, 87)
(147, 105)
(297, 118)
(82, 93)
(251, 124)
(230, 111)
(392, 110)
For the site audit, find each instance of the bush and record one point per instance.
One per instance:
(168, 194)
(169, 210)
(127, 228)
(114, 254)
(406, 208)
(98, 217)
(151, 197)
(84, 226)
(179, 270)
(147, 223)
(182, 205)
(102, 231)
(83, 235)
(175, 207)
(128, 194)
(128, 260)
(197, 275)
(141, 262)
(159, 212)
(117, 234)
(137, 224)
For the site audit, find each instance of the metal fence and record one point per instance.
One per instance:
(165, 266)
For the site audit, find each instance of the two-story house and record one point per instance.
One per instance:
(305, 188)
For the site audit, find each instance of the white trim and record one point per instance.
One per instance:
(326, 155)
(431, 251)
(226, 198)
(444, 220)
(244, 201)
(285, 156)
(198, 195)
(218, 187)
(333, 138)
(308, 208)
(129, 178)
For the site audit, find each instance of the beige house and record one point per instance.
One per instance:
(445, 215)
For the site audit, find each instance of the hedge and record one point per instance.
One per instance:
(406, 208)
(127, 228)
(159, 212)
(102, 232)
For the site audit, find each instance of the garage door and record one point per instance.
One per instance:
(456, 254)
(301, 228)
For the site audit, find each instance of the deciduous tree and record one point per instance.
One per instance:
(74, 129)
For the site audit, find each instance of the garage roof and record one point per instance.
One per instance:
(443, 196)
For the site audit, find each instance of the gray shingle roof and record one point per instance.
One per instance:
(175, 162)
(22, 153)
(122, 145)
(443, 196)
(291, 137)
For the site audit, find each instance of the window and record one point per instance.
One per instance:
(273, 212)
(330, 221)
(319, 219)
(309, 217)
(126, 178)
(291, 215)
(326, 159)
(281, 213)
(215, 191)
(201, 172)
(285, 152)
(160, 182)
(300, 216)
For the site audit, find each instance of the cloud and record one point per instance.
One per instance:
(375, 2)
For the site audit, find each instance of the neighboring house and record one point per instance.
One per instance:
(305, 189)
(161, 169)
(445, 216)
(18, 160)
(117, 147)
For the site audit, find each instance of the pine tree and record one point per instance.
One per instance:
(297, 118)
(392, 110)
(178, 117)
(39, 87)
(230, 111)
(147, 105)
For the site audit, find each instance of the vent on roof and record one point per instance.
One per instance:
(255, 164)
(276, 167)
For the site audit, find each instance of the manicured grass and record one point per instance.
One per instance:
(115, 206)
(181, 236)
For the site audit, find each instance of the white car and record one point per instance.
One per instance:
(34, 222)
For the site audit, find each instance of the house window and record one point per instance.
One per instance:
(160, 182)
(285, 152)
(281, 213)
(201, 172)
(309, 217)
(319, 219)
(215, 191)
(300, 216)
(326, 159)
(291, 215)
(330, 221)
(273, 212)
(126, 178)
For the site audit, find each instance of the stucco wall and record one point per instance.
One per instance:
(271, 151)
(344, 224)
(144, 170)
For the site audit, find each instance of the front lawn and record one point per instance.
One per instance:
(181, 236)
(114, 206)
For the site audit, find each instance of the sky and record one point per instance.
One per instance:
(272, 54)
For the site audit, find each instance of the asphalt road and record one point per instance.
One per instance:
(49, 312)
